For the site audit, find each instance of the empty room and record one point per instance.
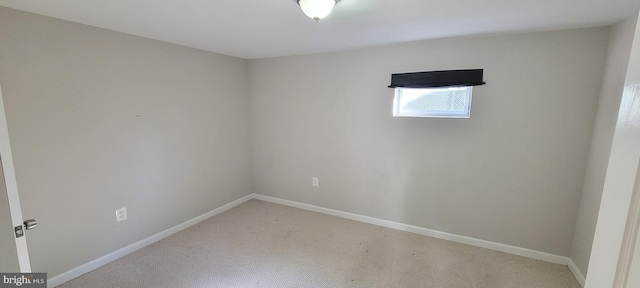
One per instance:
(320, 143)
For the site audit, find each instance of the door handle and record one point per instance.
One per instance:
(30, 224)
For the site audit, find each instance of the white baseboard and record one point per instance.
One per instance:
(576, 273)
(436, 234)
(97, 263)
(424, 231)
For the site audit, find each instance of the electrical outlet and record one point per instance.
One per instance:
(314, 181)
(121, 214)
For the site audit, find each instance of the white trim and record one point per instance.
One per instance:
(106, 259)
(625, 261)
(97, 263)
(576, 272)
(12, 189)
(423, 231)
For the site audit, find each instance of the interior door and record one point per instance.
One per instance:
(8, 250)
(630, 263)
(15, 254)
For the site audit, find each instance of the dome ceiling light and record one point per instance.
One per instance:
(317, 9)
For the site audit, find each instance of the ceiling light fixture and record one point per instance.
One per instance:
(317, 9)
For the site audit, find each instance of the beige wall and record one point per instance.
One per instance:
(513, 173)
(612, 86)
(100, 120)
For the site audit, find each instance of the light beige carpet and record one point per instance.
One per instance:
(260, 244)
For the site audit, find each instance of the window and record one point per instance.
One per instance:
(445, 102)
(445, 94)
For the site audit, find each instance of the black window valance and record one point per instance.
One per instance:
(432, 79)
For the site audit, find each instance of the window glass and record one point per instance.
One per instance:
(451, 102)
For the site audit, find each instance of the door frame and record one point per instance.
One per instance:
(630, 236)
(12, 189)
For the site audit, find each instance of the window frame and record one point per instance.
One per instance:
(465, 114)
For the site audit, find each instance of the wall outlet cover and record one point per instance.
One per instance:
(121, 214)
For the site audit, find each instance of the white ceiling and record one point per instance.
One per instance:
(268, 28)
